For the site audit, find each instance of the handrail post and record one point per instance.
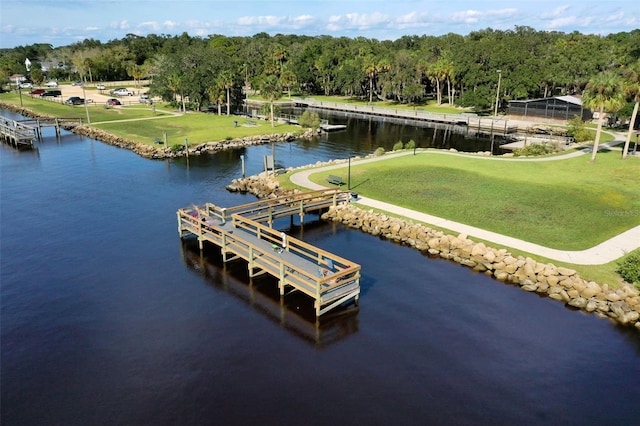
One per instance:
(179, 224)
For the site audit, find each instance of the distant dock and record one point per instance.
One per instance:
(16, 133)
(475, 124)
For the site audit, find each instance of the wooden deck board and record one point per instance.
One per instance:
(297, 264)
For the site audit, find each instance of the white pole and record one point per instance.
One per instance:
(495, 112)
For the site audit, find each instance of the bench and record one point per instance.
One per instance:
(335, 180)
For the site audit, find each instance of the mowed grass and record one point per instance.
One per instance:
(570, 204)
(141, 124)
(197, 128)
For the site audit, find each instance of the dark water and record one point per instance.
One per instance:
(108, 318)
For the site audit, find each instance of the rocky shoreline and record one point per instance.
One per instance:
(621, 305)
(161, 153)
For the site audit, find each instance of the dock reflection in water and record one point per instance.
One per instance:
(294, 311)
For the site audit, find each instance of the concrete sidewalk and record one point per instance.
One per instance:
(604, 252)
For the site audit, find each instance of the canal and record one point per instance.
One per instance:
(108, 318)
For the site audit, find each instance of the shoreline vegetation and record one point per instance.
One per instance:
(619, 302)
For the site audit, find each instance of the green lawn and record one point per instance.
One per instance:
(569, 204)
(194, 126)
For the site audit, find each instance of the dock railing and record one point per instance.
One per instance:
(324, 276)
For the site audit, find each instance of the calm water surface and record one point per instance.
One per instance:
(108, 318)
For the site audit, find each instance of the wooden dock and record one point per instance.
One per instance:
(57, 123)
(16, 133)
(245, 232)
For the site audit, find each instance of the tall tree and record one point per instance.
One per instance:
(216, 94)
(270, 90)
(604, 92)
(288, 80)
(225, 79)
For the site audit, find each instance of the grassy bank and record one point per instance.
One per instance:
(140, 123)
(568, 204)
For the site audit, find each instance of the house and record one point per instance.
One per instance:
(561, 108)
(17, 78)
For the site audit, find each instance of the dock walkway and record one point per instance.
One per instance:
(475, 124)
(17, 133)
(241, 232)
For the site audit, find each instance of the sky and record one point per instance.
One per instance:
(63, 22)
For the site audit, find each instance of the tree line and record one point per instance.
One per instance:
(449, 69)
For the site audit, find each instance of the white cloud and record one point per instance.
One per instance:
(196, 24)
(302, 21)
(360, 21)
(122, 25)
(476, 16)
(562, 22)
(150, 26)
(556, 13)
(412, 20)
(261, 21)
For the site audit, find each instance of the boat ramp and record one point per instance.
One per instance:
(246, 232)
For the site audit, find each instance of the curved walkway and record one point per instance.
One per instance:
(604, 252)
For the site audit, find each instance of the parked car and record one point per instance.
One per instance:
(113, 101)
(122, 92)
(77, 83)
(37, 92)
(101, 87)
(145, 99)
(51, 84)
(26, 85)
(51, 93)
(74, 100)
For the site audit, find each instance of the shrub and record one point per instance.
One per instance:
(578, 131)
(398, 146)
(177, 147)
(629, 268)
(310, 120)
(538, 149)
(410, 145)
(378, 152)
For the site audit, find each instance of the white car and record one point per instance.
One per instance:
(122, 92)
(145, 99)
(51, 84)
(26, 85)
(101, 87)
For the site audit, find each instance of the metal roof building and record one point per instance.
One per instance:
(560, 108)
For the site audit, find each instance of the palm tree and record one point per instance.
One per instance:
(372, 68)
(270, 90)
(632, 88)
(226, 81)
(604, 92)
(215, 92)
(288, 79)
(173, 83)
